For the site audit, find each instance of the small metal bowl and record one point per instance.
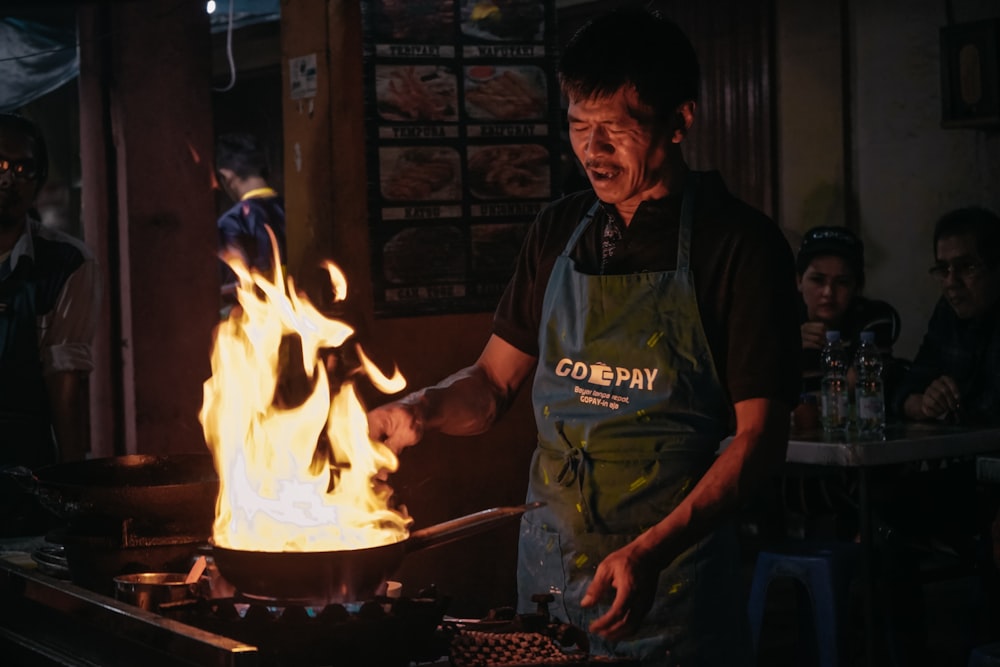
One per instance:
(148, 590)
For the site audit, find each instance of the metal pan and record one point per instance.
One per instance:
(321, 577)
(174, 489)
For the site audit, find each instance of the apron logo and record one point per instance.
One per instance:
(605, 376)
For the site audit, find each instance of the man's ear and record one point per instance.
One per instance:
(683, 120)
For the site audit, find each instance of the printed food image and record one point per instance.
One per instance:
(416, 93)
(410, 20)
(509, 171)
(507, 93)
(425, 254)
(503, 20)
(419, 173)
(495, 248)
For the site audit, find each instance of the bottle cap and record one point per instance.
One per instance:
(832, 336)
(867, 336)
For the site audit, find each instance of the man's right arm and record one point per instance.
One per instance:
(465, 403)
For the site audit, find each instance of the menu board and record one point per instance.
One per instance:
(462, 118)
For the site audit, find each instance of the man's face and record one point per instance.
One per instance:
(828, 285)
(17, 192)
(970, 287)
(619, 145)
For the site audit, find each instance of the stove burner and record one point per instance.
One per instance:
(381, 632)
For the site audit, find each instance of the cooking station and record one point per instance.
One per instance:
(46, 620)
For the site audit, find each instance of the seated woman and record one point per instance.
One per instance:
(831, 275)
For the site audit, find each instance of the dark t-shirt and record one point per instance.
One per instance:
(743, 270)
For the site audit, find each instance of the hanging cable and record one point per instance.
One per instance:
(229, 50)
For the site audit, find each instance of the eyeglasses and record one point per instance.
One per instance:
(961, 269)
(23, 170)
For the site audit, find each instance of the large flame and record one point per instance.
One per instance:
(297, 469)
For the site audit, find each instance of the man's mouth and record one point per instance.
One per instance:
(602, 172)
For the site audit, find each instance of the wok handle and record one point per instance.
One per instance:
(465, 526)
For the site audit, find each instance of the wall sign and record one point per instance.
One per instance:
(970, 74)
(463, 118)
(302, 76)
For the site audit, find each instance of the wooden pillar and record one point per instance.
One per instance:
(148, 204)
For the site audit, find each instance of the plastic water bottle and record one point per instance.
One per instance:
(869, 391)
(834, 404)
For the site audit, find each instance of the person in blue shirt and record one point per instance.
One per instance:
(242, 171)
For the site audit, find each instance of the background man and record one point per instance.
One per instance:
(956, 372)
(242, 168)
(49, 300)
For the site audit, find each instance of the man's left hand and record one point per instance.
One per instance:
(633, 579)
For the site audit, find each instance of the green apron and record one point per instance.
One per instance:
(630, 413)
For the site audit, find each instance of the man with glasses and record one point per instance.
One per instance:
(954, 378)
(956, 372)
(49, 298)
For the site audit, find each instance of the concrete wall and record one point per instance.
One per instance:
(904, 169)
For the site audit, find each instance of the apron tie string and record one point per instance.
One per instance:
(570, 470)
(574, 468)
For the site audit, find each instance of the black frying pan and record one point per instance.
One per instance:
(171, 489)
(322, 577)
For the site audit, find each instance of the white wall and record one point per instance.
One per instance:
(908, 171)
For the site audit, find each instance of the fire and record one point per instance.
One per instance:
(297, 469)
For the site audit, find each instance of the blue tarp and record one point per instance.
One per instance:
(36, 58)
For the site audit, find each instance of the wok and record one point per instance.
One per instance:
(167, 490)
(322, 577)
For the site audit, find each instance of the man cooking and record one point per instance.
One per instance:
(656, 312)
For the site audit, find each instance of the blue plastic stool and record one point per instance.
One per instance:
(985, 656)
(825, 571)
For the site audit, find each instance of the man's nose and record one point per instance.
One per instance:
(951, 278)
(597, 144)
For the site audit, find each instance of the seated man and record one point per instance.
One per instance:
(955, 377)
(956, 372)
(831, 275)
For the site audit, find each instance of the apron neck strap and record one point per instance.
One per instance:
(683, 234)
(687, 220)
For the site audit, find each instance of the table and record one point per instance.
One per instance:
(902, 443)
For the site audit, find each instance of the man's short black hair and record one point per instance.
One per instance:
(242, 153)
(28, 129)
(632, 46)
(982, 224)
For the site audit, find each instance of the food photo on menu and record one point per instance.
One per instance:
(413, 20)
(505, 93)
(503, 20)
(420, 173)
(416, 93)
(509, 171)
(421, 255)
